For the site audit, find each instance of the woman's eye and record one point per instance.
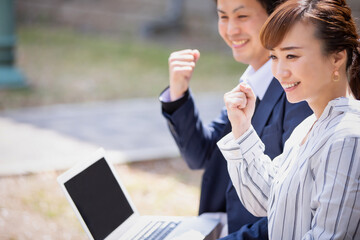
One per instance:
(290, 56)
(223, 17)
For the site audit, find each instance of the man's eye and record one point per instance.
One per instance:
(272, 57)
(242, 16)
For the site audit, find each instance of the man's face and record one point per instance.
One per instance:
(239, 24)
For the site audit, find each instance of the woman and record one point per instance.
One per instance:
(311, 191)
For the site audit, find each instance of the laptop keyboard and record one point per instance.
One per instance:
(156, 230)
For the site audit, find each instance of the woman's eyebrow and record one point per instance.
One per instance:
(289, 48)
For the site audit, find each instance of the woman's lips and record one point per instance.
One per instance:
(289, 86)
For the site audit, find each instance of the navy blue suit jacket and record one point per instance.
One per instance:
(274, 120)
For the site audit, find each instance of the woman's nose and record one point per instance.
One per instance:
(282, 71)
(279, 71)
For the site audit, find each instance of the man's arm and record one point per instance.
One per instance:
(195, 140)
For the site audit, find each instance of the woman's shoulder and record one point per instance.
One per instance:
(345, 119)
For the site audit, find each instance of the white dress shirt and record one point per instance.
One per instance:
(311, 191)
(259, 80)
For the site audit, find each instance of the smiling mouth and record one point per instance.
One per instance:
(239, 43)
(290, 85)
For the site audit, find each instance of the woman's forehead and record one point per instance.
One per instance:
(299, 35)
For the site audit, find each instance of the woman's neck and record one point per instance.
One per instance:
(319, 103)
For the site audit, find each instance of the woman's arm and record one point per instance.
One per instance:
(250, 170)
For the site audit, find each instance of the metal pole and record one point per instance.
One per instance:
(10, 76)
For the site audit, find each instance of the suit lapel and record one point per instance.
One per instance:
(266, 106)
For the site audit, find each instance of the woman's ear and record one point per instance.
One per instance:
(339, 58)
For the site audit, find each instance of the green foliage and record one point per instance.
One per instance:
(65, 66)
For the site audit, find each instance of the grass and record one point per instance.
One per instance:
(65, 66)
(29, 202)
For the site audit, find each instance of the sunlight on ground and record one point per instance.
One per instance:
(28, 203)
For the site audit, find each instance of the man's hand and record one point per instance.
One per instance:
(181, 67)
(240, 105)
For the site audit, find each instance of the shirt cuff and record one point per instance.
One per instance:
(169, 106)
(247, 147)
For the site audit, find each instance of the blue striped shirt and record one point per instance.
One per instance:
(312, 190)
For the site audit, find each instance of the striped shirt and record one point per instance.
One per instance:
(310, 191)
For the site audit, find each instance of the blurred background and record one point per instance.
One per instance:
(90, 74)
(104, 50)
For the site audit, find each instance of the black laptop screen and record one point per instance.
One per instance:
(99, 199)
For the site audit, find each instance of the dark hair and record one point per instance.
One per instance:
(268, 5)
(334, 27)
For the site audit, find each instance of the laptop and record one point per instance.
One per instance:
(106, 212)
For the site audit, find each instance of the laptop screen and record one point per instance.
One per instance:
(99, 199)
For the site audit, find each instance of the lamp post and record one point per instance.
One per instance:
(10, 76)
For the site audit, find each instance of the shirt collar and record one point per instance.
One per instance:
(258, 80)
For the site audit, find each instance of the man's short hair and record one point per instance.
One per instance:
(268, 5)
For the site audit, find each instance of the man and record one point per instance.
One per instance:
(239, 25)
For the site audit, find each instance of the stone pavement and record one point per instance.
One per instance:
(56, 137)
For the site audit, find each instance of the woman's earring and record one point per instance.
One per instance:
(336, 76)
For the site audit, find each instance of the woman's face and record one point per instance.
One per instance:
(239, 25)
(303, 70)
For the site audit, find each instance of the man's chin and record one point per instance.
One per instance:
(240, 58)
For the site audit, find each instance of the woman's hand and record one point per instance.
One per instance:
(240, 105)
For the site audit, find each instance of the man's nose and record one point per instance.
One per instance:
(233, 27)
